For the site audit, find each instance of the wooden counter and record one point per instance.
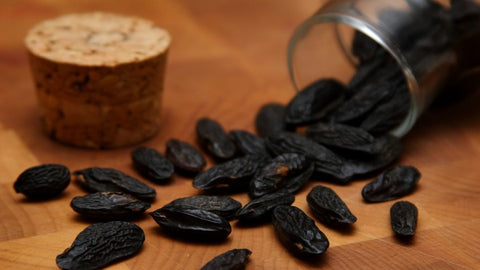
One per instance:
(228, 58)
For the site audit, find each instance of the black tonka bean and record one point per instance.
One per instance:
(185, 156)
(259, 208)
(248, 143)
(314, 102)
(233, 175)
(101, 244)
(403, 217)
(288, 171)
(192, 223)
(109, 206)
(221, 205)
(106, 179)
(270, 119)
(43, 181)
(298, 232)
(392, 184)
(214, 139)
(234, 259)
(151, 164)
(328, 208)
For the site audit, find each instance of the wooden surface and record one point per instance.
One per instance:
(227, 58)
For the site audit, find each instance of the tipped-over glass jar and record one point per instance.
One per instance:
(349, 40)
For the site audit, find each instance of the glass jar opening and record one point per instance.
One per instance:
(330, 36)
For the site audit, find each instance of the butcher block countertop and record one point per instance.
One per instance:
(227, 58)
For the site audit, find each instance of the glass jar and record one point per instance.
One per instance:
(321, 47)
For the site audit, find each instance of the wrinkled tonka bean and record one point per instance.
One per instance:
(213, 138)
(298, 232)
(151, 164)
(109, 205)
(221, 205)
(259, 208)
(270, 119)
(288, 171)
(328, 208)
(248, 143)
(43, 181)
(233, 175)
(234, 259)
(101, 244)
(185, 156)
(343, 138)
(392, 184)
(403, 217)
(314, 102)
(105, 179)
(362, 102)
(389, 149)
(326, 161)
(192, 223)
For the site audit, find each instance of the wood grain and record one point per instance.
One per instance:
(226, 60)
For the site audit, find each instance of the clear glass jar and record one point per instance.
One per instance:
(321, 48)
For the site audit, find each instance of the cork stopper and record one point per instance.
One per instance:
(99, 77)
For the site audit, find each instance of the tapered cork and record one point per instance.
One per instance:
(99, 77)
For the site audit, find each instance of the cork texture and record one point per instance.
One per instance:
(97, 39)
(98, 90)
